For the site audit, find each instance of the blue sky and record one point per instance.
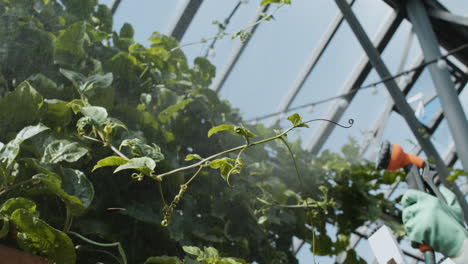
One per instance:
(278, 51)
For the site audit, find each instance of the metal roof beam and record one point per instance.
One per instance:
(448, 17)
(352, 83)
(184, 18)
(114, 6)
(380, 123)
(311, 62)
(237, 52)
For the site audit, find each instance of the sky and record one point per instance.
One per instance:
(279, 50)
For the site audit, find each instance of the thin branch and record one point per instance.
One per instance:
(203, 161)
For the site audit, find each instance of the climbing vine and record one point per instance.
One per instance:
(111, 151)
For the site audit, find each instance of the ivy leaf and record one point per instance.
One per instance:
(140, 149)
(76, 183)
(63, 150)
(36, 235)
(163, 260)
(143, 163)
(219, 128)
(109, 161)
(192, 156)
(96, 113)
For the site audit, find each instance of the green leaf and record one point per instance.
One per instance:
(10, 151)
(192, 156)
(127, 31)
(163, 260)
(19, 108)
(262, 220)
(167, 113)
(63, 150)
(192, 250)
(266, 2)
(96, 113)
(219, 128)
(14, 204)
(29, 132)
(36, 235)
(296, 120)
(203, 72)
(456, 173)
(69, 50)
(47, 87)
(226, 168)
(110, 161)
(140, 149)
(97, 80)
(105, 17)
(53, 183)
(138, 163)
(76, 78)
(76, 183)
(76, 105)
(5, 227)
(56, 113)
(243, 132)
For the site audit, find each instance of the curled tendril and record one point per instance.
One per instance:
(350, 122)
(168, 210)
(137, 176)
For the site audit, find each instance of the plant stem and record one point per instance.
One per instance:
(114, 149)
(203, 161)
(223, 34)
(68, 221)
(298, 206)
(115, 244)
(117, 151)
(11, 187)
(194, 176)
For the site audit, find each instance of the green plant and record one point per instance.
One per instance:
(72, 106)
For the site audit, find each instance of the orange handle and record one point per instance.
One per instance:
(399, 159)
(423, 248)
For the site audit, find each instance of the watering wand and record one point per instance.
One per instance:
(419, 176)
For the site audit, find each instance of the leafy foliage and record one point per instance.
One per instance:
(73, 105)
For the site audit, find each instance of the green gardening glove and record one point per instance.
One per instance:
(430, 221)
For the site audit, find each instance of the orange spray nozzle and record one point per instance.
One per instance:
(400, 159)
(392, 157)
